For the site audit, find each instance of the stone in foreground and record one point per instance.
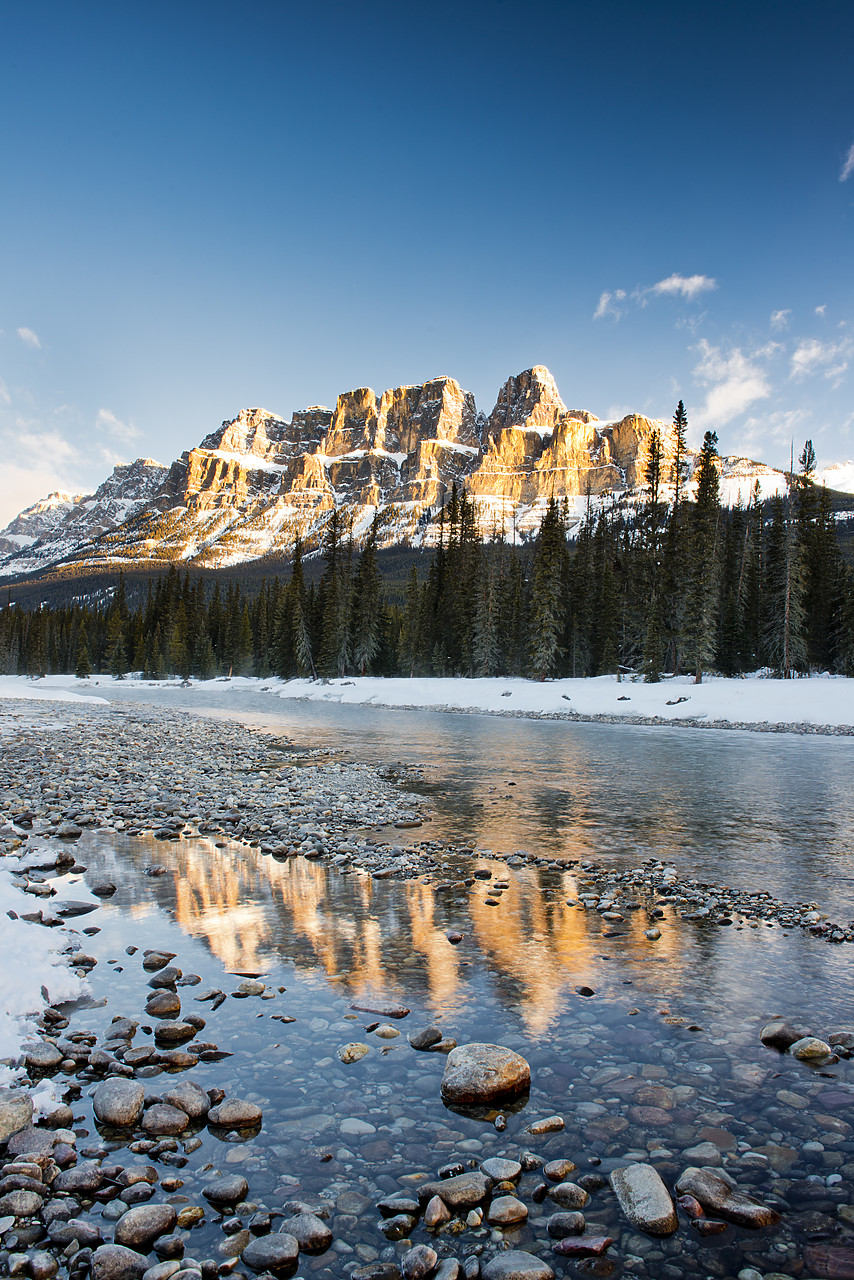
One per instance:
(462, 1192)
(275, 1252)
(119, 1102)
(114, 1262)
(644, 1199)
(479, 1074)
(516, 1264)
(16, 1112)
(716, 1195)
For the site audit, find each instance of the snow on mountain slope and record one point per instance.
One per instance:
(840, 477)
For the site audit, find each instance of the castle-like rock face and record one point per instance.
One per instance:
(258, 481)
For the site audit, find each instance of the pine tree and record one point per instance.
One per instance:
(82, 661)
(367, 606)
(702, 602)
(547, 596)
(116, 656)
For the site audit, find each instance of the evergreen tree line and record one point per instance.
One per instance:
(668, 586)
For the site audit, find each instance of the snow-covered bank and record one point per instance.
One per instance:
(813, 703)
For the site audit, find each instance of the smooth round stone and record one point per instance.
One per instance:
(235, 1114)
(190, 1097)
(386, 1032)
(162, 1270)
(163, 1119)
(478, 1074)
(516, 1264)
(436, 1213)
(160, 1004)
(230, 1189)
(561, 1225)
(271, 1253)
(144, 1223)
(173, 1032)
(310, 1232)
(42, 1265)
(501, 1170)
(119, 1102)
(810, 1049)
(114, 1262)
(85, 1179)
(557, 1170)
(352, 1052)
(780, 1034)
(505, 1210)
(419, 1263)
(644, 1199)
(21, 1204)
(43, 1056)
(568, 1195)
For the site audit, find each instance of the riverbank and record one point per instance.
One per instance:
(816, 704)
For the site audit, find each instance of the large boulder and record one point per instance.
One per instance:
(482, 1074)
(16, 1112)
(118, 1101)
(644, 1199)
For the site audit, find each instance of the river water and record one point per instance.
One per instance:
(663, 1055)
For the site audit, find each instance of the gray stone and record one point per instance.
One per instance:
(189, 1097)
(84, 1179)
(16, 1112)
(273, 1252)
(505, 1210)
(118, 1101)
(419, 1263)
(425, 1038)
(479, 1074)
(235, 1114)
(462, 1192)
(501, 1170)
(173, 1032)
(113, 1262)
(568, 1195)
(43, 1056)
(21, 1204)
(515, 1264)
(561, 1225)
(779, 1034)
(226, 1190)
(160, 1004)
(810, 1049)
(715, 1194)
(644, 1199)
(436, 1213)
(163, 1119)
(144, 1223)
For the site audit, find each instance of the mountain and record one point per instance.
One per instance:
(251, 486)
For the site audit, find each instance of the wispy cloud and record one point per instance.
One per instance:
(847, 165)
(812, 356)
(821, 310)
(733, 379)
(609, 304)
(780, 319)
(683, 286)
(29, 338)
(614, 302)
(107, 422)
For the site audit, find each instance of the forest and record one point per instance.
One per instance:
(667, 585)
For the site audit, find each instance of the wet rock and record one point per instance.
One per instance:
(352, 1052)
(810, 1049)
(235, 1114)
(118, 1101)
(561, 1225)
(551, 1124)
(173, 1032)
(43, 1056)
(16, 1112)
(568, 1195)
(419, 1263)
(501, 1170)
(104, 889)
(516, 1264)
(644, 1199)
(436, 1213)
(68, 831)
(425, 1038)
(165, 978)
(86, 1234)
(21, 1204)
(836, 1262)
(780, 1034)
(114, 1262)
(230, 1189)
(154, 960)
(582, 1246)
(275, 1252)
(43, 1265)
(377, 1271)
(717, 1196)
(557, 1170)
(479, 1074)
(164, 1120)
(189, 1097)
(399, 1227)
(390, 1010)
(85, 1179)
(462, 1192)
(310, 1232)
(505, 1210)
(141, 1225)
(160, 1004)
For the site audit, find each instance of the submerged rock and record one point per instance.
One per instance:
(478, 1074)
(644, 1199)
(716, 1195)
(119, 1102)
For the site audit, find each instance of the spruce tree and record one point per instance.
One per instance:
(702, 601)
(547, 598)
(367, 606)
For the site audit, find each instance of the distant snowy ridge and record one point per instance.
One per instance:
(257, 482)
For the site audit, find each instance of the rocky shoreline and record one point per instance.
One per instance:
(106, 1207)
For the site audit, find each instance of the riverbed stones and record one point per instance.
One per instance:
(20, 1204)
(310, 1232)
(274, 1252)
(144, 1223)
(16, 1112)
(505, 1211)
(717, 1196)
(561, 1225)
(644, 1199)
(516, 1264)
(384, 1009)
(419, 1263)
(160, 1004)
(480, 1074)
(164, 1120)
(118, 1101)
(235, 1113)
(461, 1192)
(501, 1170)
(43, 1056)
(810, 1049)
(568, 1195)
(425, 1038)
(115, 1262)
(229, 1189)
(780, 1034)
(189, 1097)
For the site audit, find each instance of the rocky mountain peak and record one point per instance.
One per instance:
(529, 401)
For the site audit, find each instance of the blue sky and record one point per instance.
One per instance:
(208, 206)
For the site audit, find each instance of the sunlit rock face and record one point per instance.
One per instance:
(258, 482)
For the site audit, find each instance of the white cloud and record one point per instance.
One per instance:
(29, 338)
(821, 310)
(779, 427)
(20, 487)
(734, 381)
(107, 422)
(780, 319)
(812, 356)
(847, 165)
(608, 304)
(685, 286)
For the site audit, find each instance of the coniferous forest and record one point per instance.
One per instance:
(668, 585)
